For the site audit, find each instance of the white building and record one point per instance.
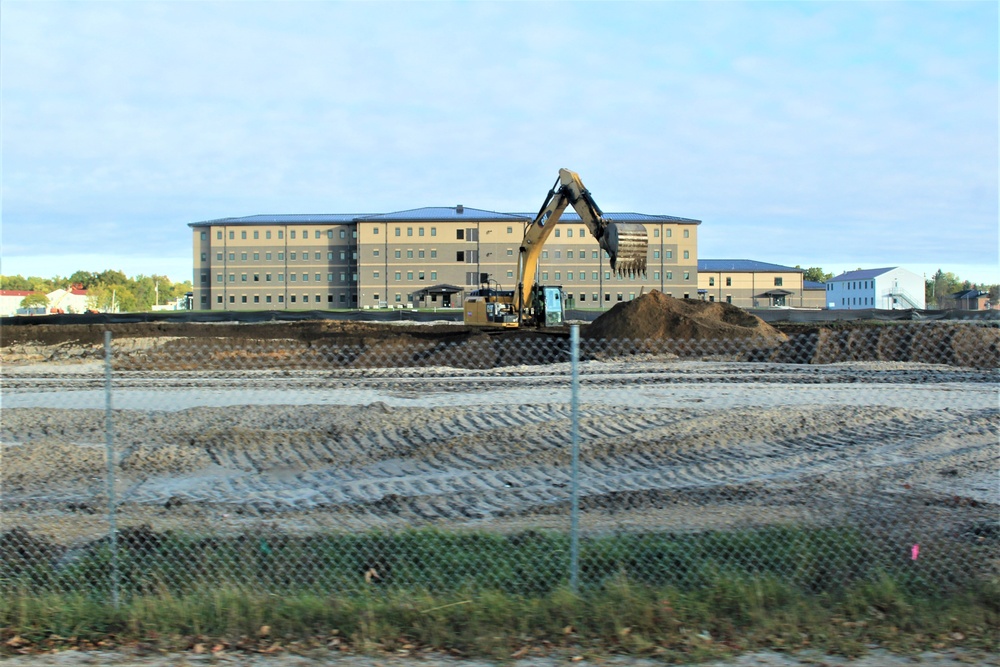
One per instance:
(891, 288)
(72, 300)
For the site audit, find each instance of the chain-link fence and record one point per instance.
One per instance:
(519, 463)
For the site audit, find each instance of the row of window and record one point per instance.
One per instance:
(280, 298)
(857, 284)
(857, 301)
(467, 234)
(292, 277)
(729, 281)
(292, 256)
(280, 234)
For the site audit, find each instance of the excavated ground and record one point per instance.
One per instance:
(697, 415)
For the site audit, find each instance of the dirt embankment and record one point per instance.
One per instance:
(654, 324)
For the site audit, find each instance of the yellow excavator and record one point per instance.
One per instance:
(540, 305)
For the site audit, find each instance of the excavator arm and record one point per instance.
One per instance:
(626, 244)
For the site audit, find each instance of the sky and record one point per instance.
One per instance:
(839, 135)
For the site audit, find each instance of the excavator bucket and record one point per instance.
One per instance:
(627, 245)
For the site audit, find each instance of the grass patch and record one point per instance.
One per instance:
(728, 615)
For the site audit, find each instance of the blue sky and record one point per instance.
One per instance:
(843, 135)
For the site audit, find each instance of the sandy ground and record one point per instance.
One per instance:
(664, 444)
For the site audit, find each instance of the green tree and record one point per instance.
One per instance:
(815, 274)
(36, 300)
(14, 283)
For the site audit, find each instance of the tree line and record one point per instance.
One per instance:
(106, 290)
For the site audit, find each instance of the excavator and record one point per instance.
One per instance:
(536, 305)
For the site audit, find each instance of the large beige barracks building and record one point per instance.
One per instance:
(427, 257)
(751, 284)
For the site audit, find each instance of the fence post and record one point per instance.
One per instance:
(109, 445)
(574, 530)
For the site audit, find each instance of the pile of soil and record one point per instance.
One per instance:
(656, 316)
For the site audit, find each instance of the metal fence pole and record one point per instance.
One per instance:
(574, 544)
(109, 442)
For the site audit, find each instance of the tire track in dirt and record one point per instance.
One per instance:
(462, 464)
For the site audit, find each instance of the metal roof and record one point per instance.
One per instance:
(812, 284)
(283, 219)
(572, 216)
(443, 213)
(861, 274)
(429, 213)
(741, 266)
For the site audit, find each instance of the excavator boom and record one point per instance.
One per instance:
(626, 244)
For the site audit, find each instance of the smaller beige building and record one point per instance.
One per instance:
(748, 283)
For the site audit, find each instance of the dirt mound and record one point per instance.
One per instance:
(656, 316)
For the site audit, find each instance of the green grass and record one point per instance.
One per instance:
(727, 615)
(480, 593)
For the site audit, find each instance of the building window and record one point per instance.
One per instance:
(777, 281)
(243, 235)
(687, 255)
(569, 233)
(510, 252)
(267, 256)
(374, 253)
(232, 298)
(267, 298)
(687, 233)
(292, 298)
(420, 254)
(375, 274)
(670, 233)
(281, 256)
(204, 278)
(218, 256)
(204, 256)
(256, 257)
(409, 275)
(343, 233)
(329, 277)
(409, 254)
(687, 275)
(398, 254)
(656, 254)
(420, 275)
(267, 277)
(399, 231)
(607, 275)
(291, 255)
(203, 236)
(232, 257)
(460, 234)
(557, 233)
(256, 277)
(281, 235)
(656, 275)
(459, 254)
(510, 274)
(729, 281)
(510, 230)
(656, 232)
(434, 254)
(620, 296)
(670, 275)
(729, 299)
(399, 276)
(256, 234)
(420, 231)
(434, 231)
(711, 281)
(409, 231)
(243, 257)
(545, 275)
(434, 275)
(281, 298)
(267, 235)
(243, 298)
(218, 235)
(291, 235)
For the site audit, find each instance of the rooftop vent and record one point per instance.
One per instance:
(459, 209)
